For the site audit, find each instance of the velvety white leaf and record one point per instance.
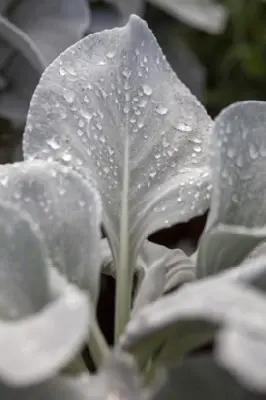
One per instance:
(116, 109)
(238, 170)
(41, 325)
(202, 378)
(238, 165)
(161, 270)
(59, 388)
(185, 319)
(36, 348)
(241, 347)
(68, 211)
(226, 246)
(208, 15)
(24, 285)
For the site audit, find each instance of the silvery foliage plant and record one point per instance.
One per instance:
(114, 138)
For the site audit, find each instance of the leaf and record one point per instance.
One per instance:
(24, 285)
(238, 165)
(186, 319)
(68, 211)
(33, 35)
(60, 388)
(118, 111)
(39, 333)
(161, 271)
(39, 346)
(241, 347)
(226, 246)
(202, 378)
(206, 15)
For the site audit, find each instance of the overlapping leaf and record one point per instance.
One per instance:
(238, 166)
(68, 211)
(39, 333)
(186, 319)
(116, 108)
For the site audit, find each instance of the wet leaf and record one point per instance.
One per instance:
(238, 170)
(68, 211)
(117, 110)
(40, 330)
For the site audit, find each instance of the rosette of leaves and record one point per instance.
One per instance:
(110, 116)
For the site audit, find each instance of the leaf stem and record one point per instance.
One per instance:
(97, 343)
(123, 277)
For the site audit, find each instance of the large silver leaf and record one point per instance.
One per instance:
(68, 211)
(116, 109)
(208, 15)
(202, 378)
(239, 184)
(41, 328)
(184, 320)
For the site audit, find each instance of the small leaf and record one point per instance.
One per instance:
(161, 271)
(238, 169)
(68, 211)
(202, 378)
(207, 15)
(123, 115)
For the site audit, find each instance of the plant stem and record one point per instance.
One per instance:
(123, 281)
(97, 344)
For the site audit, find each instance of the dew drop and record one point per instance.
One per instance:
(106, 169)
(126, 110)
(143, 103)
(253, 151)
(239, 161)
(66, 157)
(161, 110)
(69, 96)
(195, 140)
(184, 127)
(152, 174)
(62, 72)
(102, 139)
(231, 152)
(110, 55)
(157, 156)
(147, 89)
(53, 144)
(81, 123)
